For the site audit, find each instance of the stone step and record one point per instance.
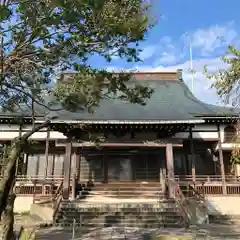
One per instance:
(126, 210)
(118, 232)
(146, 203)
(77, 217)
(224, 219)
(116, 186)
(163, 213)
(124, 195)
(128, 191)
(124, 190)
(157, 224)
(108, 219)
(42, 198)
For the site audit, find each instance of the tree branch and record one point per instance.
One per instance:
(25, 136)
(15, 88)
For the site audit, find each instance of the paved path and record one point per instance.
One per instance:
(213, 232)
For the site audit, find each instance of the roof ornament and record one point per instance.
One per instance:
(180, 77)
(153, 143)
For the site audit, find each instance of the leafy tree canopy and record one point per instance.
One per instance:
(226, 81)
(39, 39)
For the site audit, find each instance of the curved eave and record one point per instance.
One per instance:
(171, 103)
(215, 115)
(193, 121)
(219, 118)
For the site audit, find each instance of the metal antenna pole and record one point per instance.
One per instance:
(191, 66)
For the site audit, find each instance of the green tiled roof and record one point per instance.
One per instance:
(172, 100)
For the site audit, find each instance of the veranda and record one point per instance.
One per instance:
(128, 159)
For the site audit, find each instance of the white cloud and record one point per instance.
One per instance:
(215, 37)
(172, 55)
(167, 53)
(147, 52)
(201, 85)
(167, 58)
(205, 43)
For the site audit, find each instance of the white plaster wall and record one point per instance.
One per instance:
(229, 205)
(198, 135)
(23, 204)
(203, 135)
(8, 132)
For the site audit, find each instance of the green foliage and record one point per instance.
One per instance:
(27, 234)
(235, 154)
(226, 80)
(40, 39)
(87, 88)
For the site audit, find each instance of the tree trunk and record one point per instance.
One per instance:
(8, 219)
(8, 180)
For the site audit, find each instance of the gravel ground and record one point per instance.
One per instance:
(119, 233)
(211, 231)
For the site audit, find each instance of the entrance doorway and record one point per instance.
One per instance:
(120, 167)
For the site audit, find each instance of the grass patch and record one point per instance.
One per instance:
(22, 213)
(173, 238)
(27, 234)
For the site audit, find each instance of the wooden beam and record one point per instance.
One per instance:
(17, 162)
(192, 155)
(53, 164)
(221, 161)
(78, 164)
(26, 164)
(133, 163)
(67, 170)
(170, 170)
(105, 167)
(46, 154)
(147, 145)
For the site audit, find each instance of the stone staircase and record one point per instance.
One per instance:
(88, 216)
(125, 204)
(128, 190)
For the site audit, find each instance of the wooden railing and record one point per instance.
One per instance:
(207, 178)
(211, 184)
(37, 185)
(181, 201)
(206, 184)
(194, 192)
(57, 200)
(230, 136)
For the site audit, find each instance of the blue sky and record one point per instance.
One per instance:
(209, 25)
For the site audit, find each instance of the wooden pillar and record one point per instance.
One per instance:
(25, 164)
(37, 165)
(105, 168)
(221, 161)
(78, 164)
(17, 162)
(192, 155)
(53, 164)
(67, 170)
(46, 154)
(170, 170)
(133, 162)
(162, 171)
(74, 186)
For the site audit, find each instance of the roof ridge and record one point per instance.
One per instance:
(192, 97)
(156, 76)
